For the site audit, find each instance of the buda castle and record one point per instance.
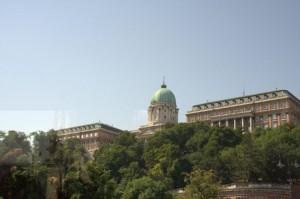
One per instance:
(265, 110)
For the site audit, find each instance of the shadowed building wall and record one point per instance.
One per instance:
(90, 135)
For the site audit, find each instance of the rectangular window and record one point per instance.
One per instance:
(257, 107)
(265, 106)
(274, 117)
(273, 105)
(266, 125)
(257, 119)
(283, 115)
(282, 104)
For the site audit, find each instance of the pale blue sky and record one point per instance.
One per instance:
(73, 62)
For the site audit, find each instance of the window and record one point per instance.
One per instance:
(257, 97)
(266, 96)
(257, 107)
(249, 99)
(274, 117)
(274, 125)
(266, 118)
(265, 106)
(282, 104)
(241, 101)
(283, 115)
(273, 105)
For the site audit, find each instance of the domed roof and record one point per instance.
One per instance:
(163, 96)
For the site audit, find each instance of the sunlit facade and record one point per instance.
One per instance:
(265, 110)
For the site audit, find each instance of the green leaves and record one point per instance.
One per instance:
(145, 188)
(195, 156)
(202, 184)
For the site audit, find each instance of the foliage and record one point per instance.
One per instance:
(193, 156)
(145, 188)
(202, 184)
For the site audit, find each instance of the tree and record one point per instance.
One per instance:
(202, 184)
(41, 143)
(16, 139)
(146, 188)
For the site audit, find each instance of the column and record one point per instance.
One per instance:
(242, 123)
(226, 122)
(250, 128)
(278, 120)
(234, 124)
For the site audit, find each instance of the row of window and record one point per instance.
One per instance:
(90, 144)
(83, 128)
(85, 135)
(265, 118)
(274, 117)
(234, 102)
(268, 106)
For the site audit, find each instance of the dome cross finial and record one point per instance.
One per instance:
(164, 85)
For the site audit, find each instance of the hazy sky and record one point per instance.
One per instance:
(72, 62)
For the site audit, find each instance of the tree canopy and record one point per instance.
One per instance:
(194, 156)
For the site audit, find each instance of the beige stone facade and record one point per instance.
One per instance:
(90, 135)
(265, 110)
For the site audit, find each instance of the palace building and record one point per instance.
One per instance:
(261, 191)
(162, 110)
(265, 110)
(90, 135)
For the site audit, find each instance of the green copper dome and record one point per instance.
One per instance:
(163, 96)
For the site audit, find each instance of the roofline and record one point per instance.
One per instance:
(283, 90)
(105, 126)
